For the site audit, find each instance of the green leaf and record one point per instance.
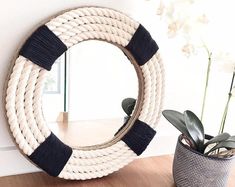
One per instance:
(231, 138)
(195, 129)
(226, 144)
(217, 139)
(177, 119)
(128, 105)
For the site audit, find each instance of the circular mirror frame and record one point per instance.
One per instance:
(25, 86)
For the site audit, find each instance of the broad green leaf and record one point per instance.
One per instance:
(231, 138)
(226, 144)
(217, 139)
(177, 119)
(195, 129)
(128, 105)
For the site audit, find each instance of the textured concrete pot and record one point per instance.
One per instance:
(193, 169)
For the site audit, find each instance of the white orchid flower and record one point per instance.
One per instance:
(188, 49)
(161, 8)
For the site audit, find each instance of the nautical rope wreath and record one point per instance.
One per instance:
(25, 86)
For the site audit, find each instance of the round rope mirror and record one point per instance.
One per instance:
(26, 81)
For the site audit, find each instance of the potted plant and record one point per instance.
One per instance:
(200, 160)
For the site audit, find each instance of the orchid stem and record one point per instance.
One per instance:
(227, 105)
(207, 81)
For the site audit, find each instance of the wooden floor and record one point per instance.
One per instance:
(145, 172)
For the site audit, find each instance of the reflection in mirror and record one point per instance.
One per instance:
(84, 90)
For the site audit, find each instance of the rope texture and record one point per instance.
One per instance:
(25, 87)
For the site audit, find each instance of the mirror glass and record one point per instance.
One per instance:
(84, 90)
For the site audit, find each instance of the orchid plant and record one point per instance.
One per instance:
(193, 133)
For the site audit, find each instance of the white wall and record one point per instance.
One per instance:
(184, 78)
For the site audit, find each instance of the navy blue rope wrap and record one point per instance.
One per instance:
(43, 47)
(139, 136)
(51, 155)
(142, 46)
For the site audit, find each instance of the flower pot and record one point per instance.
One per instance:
(193, 169)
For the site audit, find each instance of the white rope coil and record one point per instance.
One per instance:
(25, 86)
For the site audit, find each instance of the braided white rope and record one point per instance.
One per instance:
(25, 86)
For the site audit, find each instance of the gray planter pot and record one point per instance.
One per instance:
(193, 169)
